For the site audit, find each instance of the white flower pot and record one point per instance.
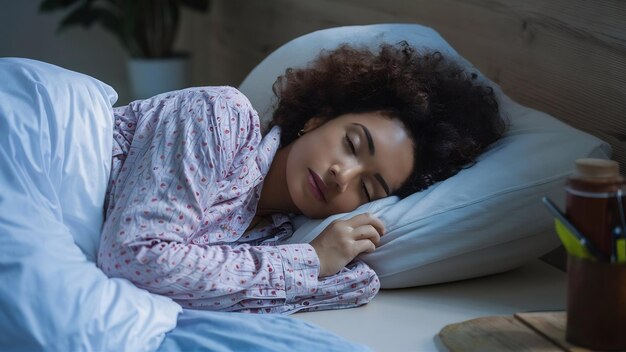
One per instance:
(149, 77)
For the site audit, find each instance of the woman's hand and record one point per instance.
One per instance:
(343, 240)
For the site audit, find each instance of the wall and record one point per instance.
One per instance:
(24, 32)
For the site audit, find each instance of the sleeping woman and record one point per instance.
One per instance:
(199, 201)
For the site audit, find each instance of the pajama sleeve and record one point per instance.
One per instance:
(353, 286)
(186, 152)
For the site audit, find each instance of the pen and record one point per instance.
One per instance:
(584, 241)
(615, 243)
(620, 243)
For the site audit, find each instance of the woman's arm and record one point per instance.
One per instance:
(339, 286)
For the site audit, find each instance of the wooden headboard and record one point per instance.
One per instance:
(564, 57)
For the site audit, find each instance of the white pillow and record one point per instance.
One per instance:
(484, 220)
(55, 152)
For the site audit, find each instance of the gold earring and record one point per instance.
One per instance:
(301, 133)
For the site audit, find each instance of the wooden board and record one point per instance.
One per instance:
(551, 325)
(534, 331)
(497, 334)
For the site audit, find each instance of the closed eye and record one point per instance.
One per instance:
(350, 144)
(367, 194)
(353, 149)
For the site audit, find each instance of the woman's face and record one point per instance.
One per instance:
(348, 161)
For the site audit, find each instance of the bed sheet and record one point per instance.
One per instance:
(224, 331)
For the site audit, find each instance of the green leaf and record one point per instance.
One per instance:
(52, 5)
(198, 5)
(84, 16)
(112, 23)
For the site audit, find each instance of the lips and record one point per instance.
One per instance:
(318, 185)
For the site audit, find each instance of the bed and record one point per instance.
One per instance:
(398, 319)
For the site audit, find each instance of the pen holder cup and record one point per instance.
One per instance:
(596, 304)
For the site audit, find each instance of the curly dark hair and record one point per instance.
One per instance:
(450, 117)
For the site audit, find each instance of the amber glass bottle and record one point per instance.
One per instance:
(596, 290)
(592, 200)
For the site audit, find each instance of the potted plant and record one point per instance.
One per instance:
(147, 29)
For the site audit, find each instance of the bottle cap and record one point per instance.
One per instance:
(596, 168)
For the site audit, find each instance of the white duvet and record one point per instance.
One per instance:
(55, 148)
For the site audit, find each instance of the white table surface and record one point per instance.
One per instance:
(409, 319)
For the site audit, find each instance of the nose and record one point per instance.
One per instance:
(343, 175)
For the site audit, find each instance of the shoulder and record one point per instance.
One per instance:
(234, 97)
(242, 118)
(229, 97)
(221, 102)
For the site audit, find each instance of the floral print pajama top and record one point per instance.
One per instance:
(187, 172)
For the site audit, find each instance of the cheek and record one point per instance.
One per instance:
(302, 152)
(291, 167)
(296, 160)
(344, 203)
(295, 178)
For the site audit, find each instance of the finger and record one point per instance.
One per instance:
(366, 219)
(366, 232)
(364, 246)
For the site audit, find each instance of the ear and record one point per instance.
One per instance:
(313, 123)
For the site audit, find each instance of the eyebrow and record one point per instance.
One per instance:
(372, 149)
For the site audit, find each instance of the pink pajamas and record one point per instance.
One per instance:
(188, 168)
